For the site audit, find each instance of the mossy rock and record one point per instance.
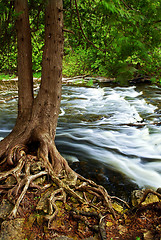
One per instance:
(117, 207)
(13, 229)
(137, 196)
(5, 209)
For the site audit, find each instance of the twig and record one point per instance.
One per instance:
(81, 28)
(68, 31)
(119, 199)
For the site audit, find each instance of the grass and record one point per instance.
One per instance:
(37, 75)
(6, 76)
(11, 76)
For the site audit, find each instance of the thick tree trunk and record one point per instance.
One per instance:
(37, 118)
(25, 80)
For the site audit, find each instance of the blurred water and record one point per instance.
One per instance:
(96, 135)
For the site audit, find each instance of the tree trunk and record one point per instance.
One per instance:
(37, 118)
(25, 81)
(25, 78)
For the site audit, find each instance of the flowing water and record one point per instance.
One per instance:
(108, 134)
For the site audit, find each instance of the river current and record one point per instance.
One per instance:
(109, 134)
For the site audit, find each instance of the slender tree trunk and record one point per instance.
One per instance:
(49, 96)
(47, 104)
(25, 78)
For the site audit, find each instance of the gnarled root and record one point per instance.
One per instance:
(53, 198)
(67, 184)
(100, 227)
(146, 192)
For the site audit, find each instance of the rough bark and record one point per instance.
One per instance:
(25, 78)
(37, 118)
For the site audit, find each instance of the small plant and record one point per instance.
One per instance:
(37, 74)
(153, 80)
(6, 76)
(36, 197)
(90, 83)
(137, 238)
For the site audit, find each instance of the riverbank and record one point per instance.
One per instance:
(85, 79)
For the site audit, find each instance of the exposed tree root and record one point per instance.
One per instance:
(38, 172)
(53, 198)
(147, 191)
(100, 227)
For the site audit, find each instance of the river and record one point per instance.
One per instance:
(106, 133)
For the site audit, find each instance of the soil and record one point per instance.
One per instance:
(143, 222)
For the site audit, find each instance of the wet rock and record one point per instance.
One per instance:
(5, 208)
(159, 190)
(13, 229)
(151, 198)
(136, 197)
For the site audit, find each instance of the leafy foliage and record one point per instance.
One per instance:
(120, 38)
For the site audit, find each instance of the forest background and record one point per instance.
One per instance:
(110, 38)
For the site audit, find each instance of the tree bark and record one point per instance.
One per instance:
(49, 96)
(37, 118)
(25, 77)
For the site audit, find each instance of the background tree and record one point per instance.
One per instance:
(126, 32)
(129, 36)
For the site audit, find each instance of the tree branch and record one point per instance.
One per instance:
(68, 31)
(80, 25)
